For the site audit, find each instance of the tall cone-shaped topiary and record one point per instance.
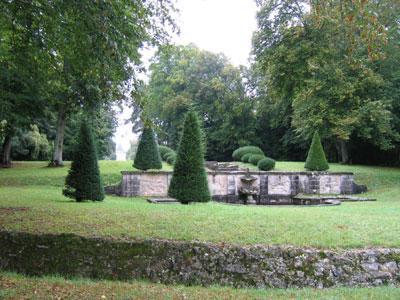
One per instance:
(189, 180)
(316, 160)
(83, 181)
(147, 155)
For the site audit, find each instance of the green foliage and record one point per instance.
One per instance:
(147, 155)
(184, 78)
(255, 158)
(245, 158)
(83, 181)
(165, 151)
(130, 154)
(30, 145)
(103, 123)
(266, 164)
(316, 160)
(170, 158)
(321, 72)
(238, 153)
(189, 180)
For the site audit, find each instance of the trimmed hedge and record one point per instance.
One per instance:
(83, 181)
(238, 153)
(170, 158)
(147, 155)
(266, 164)
(245, 158)
(255, 158)
(189, 180)
(164, 150)
(316, 160)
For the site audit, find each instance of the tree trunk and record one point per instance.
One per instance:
(59, 141)
(6, 152)
(344, 152)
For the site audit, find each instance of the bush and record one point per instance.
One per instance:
(266, 164)
(83, 181)
(164, 150)
(316, 160)
(147, 155)
(189, 180)
(238, 153)
(171, 158)
(255, 158)
(245, 158)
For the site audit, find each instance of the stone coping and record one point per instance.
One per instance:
(242, 172)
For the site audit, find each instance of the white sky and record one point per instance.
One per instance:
(215, 25)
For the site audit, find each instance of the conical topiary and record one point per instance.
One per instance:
(83, 181)
(189, 180)
(147, 155)
(316, 160)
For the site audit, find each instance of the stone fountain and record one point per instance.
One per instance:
(246, 190)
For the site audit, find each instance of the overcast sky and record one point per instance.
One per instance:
(215, 25)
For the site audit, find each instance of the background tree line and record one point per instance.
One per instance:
(64, 59)
(330, 66)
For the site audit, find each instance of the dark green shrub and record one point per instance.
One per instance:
(316, 160)
(147, 155)
(83, 181)
(171, 158)
(266, 164)
(189, 180)
(255, 158)
(238, 153)
(245, 158)
(164, 150)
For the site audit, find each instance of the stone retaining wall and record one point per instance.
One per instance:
(274, 187)
(196, 263)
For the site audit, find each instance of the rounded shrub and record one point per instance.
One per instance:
(266, 164)
(238, 153)
(147, 155)
(170, 157)
(245, 158)
(164, 150)
(316, 160)
(255, 158)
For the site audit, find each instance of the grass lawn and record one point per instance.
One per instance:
(351, 225)
(13, 286)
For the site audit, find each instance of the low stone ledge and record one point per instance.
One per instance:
(242, 172)
(196, 263)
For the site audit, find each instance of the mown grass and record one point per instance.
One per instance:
(13, 286)
(351, 225)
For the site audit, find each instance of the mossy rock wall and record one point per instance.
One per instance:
(196, 263)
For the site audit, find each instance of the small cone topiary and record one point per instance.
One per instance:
(147, 155)
(83, 181)
(316, 160)
(189, 180)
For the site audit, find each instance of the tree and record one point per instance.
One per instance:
(147, 154)
(96, 47)
(83, 181)
(319, 64)
(23, 70)
(185, 78)
(316, 160)
(189, 180)
(71, 55)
